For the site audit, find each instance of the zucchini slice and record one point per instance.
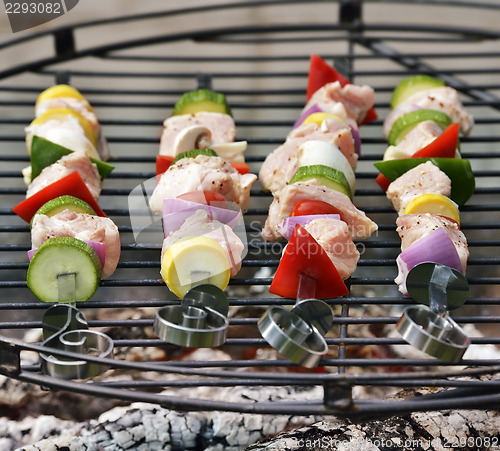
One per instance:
(194, 260)
(201, 100)
(60, 256)
(330, 177)
(58, 204)
(406, 122)
(411, 85)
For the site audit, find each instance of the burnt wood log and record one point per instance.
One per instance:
(464, 430)
(147, 427)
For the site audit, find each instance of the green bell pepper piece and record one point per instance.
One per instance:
(457, 169)
(45, 152)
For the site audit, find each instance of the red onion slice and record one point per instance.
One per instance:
(176, 211)
(356, 139)
(437, 247)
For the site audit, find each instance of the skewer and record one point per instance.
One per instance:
(306, 271)
(66, 285)
(200, 321)
(427, 326)
(437, 282)
(298, 334)
(65, 328)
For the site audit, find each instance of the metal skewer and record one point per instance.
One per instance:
(200, 321)
(65, 328)
(298, 334)
(428, 327)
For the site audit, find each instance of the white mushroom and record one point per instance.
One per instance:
(195, 137)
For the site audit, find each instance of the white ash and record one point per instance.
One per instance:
(148, 427)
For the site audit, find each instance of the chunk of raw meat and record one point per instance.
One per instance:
(83, 226)
(203, 173)
(334, 237)
(422, 179)
(65, 166)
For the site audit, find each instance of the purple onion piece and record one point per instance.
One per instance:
(437, 247)
(308, 112)
(176, 211)
(357, 140)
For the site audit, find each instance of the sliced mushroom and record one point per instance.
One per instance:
(195, 137)
(232, 152)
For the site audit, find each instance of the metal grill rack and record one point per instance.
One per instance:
(133, 78)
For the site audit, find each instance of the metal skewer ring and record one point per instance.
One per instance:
(434, 334)
(198, 322)
(428, 327)
(65, 329)
(298, 334)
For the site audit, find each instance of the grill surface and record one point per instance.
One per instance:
(133, 84)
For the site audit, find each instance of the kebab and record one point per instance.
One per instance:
(203, 186)
(423, 173)
(311, 177)
(74, 243)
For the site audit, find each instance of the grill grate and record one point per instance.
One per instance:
(133, 81)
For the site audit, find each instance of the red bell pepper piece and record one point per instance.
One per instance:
(383, 181)
(163, 162)
(72, 185)
(304, 254)
(305, 207)
(241, 167)
(371, 115)
(443, 146)
(321, 73)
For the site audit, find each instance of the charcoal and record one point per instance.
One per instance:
(148, 427)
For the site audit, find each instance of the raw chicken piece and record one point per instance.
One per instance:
(200, 224)
(221, 126)
(333, 236)
(66, 132)
(358, 224)
(203, 173)
(65, 166)
(422, 179)
(412, 227)
(443, 99)
(83, 226)
(350, 101)
(280, 165)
